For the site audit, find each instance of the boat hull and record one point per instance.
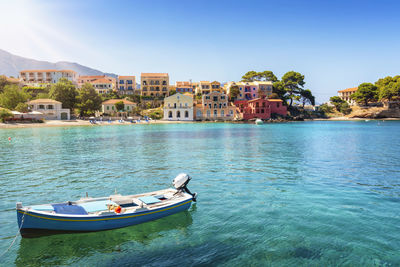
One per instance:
(32, 220)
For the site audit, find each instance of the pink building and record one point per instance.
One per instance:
(261, 108)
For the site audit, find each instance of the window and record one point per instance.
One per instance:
(144, 88)
(108, 107)
(157, 88)
(199, 113)
(277, 105)
(222, 97)
(129, 81)
(164, 83)
(208, 97)
(130, 88)
(127, 107)
(186, 114)
(151, 82)
(169, 105)
(215, 105)
(209, 105)
(144, 83)
(215, 98)
(121, 81)
(41, 106)
(112, 107)
(240, 88)
(50, 107)
(222, 113)
(208, 113)
(186, 104)
(170, 114)
(262, 110)
(178, 114)
(215, 113)
(174, 105)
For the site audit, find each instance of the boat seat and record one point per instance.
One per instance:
(65, 208)
(149, 200)
(94, 206)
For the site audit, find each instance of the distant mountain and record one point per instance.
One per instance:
(10, 65)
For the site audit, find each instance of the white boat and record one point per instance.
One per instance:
(103, 213)
(259, 121)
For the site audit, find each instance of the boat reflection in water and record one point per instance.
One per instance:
(63, 249)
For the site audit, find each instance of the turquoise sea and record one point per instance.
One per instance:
(288, 194)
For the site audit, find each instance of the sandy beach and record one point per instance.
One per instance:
(58, 123)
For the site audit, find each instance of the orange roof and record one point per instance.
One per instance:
(154, 74)
(44, 100)
(102, 80)
(91, 76)
(183, 84)
(275, 100)
(47, 71)
(113, 101)
(126, 77)
(349, 90)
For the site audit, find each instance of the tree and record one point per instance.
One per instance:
(234, 92)
(172, 92)
(12, 96)
(279, 89)
(307, 97)
(88, 100)
(22, 107)
(65, 92)
(325, 108)
(5, 114)
(293, 83)
(274, 96)
(119, 106)
(267, 76)
(345, 108)
(337, 102)
(365, 93)
(249, 76)
(388, 87)
(3, 82)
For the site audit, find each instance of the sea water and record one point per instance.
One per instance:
(288, 194)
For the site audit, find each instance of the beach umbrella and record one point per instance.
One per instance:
(35, 113)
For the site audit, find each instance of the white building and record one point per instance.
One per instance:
(178, 107)
(51, 109)
(108, 107)
(45, 77)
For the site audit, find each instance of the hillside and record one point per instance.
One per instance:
(10, 65)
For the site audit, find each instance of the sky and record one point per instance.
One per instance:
(335, 44)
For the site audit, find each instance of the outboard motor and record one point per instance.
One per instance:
(180, 183)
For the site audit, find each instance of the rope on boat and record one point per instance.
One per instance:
(15, 238)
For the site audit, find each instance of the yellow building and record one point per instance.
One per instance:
(126, 85)
(178, 107)
(206, 87)
(154, 84)
(215, 106)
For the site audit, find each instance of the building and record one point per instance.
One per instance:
(108, 107)
(40, 78)
(215, 106)
(51, 109)
(154, 84)
(102, 84)
(261, 108)
(184, 87)
(178, 107)
(346, 93)
(126, 85)
(206, 87)
(251, 90)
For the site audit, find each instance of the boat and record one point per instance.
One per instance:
(116, 211)
(259, 121)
